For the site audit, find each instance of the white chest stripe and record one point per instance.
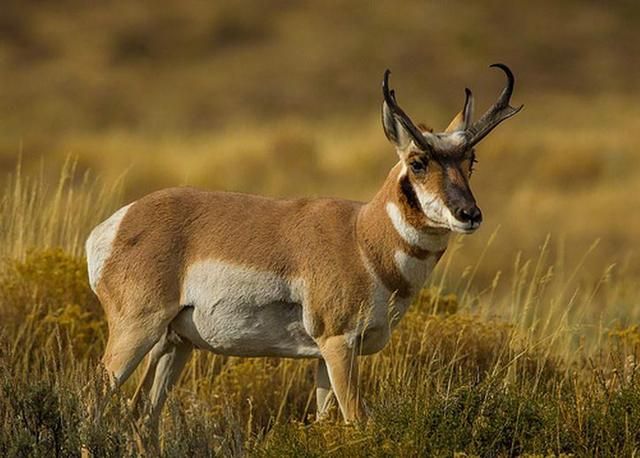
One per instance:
(411, 235)
(414, 270)
(384, 310)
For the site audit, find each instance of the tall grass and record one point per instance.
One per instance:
(37, 215)
(541, 360)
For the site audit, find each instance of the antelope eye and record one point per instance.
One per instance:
(417, 166)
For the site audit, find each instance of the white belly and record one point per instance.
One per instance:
(237, 311)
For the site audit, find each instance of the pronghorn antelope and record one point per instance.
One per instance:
(184, 269)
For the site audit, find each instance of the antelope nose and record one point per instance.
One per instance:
(471, 215)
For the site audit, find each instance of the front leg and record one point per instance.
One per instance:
(342, 367)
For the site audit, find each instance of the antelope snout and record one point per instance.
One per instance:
(470, 216)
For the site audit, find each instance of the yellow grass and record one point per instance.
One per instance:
(541, 337)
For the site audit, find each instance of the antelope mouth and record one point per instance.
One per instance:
(452, 224)
(465, 228)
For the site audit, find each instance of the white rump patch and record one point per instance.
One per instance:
(100, 244)
(413, 236)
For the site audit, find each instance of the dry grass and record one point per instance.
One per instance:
(37, 215)
(549, 366)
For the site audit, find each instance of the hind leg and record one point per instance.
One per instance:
(125, 349)
(129, 341)
(146, 382)
(324, 395)
(167, 359)
(132, 333)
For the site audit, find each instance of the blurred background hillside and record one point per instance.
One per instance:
(282, 98)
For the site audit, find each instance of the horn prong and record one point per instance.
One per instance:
(467, 110)
(500, 110)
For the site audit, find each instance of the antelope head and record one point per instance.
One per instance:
(437, 166)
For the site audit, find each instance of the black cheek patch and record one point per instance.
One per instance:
(409, 193)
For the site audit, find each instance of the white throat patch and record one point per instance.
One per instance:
(413, 236)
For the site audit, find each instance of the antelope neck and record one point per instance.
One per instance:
(386, 227)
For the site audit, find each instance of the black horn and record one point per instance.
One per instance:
(500, 111)
(390, 99)
(467, 110)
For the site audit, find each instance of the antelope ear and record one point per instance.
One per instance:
(394, 130)
(398, 127)
(463, 119)
(456, 124)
